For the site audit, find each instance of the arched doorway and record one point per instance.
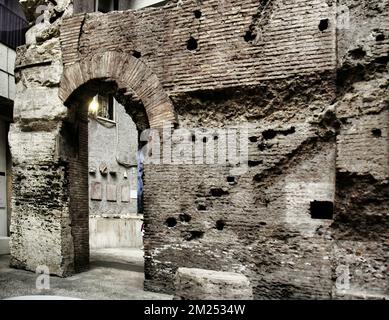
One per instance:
(129, 82)
(101, 144)
(50, 215)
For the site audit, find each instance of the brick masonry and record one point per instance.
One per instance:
(79, 188)
(223, 57)
(311, 86)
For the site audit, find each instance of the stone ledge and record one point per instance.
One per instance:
(200, 284)
(130, 216)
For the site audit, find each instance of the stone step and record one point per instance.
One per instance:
(199, 284)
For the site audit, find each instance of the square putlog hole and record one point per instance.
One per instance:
(322, 210)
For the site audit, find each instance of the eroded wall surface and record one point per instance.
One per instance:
(308, 80)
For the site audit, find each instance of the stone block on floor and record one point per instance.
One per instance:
(200, 284)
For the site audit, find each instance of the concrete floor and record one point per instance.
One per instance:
(115, 274)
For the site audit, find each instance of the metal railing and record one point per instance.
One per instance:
(12, 28)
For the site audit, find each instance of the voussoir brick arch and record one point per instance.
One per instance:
(130, 74)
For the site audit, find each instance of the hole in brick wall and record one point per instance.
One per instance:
(323, 25)
(220, 224)
(380, 37)
(320, 230)
(336, 124)
(262, 146)
(257, 178)
(194, 235)
(253, 139)
(215, 137)
(231, 179)
(218, 192)
(358, 53)
(376, 133)
(56, 15)
(269, 134)
(201, 207)
(291, 130)
(382, 60)
(185, 218)
(197, 14)
(137, 54)
(171, 222)
(263, 223)
(249, 36)
(254, 163)
(322, 210)
(193, 138)
(192, 44)
(205, 140)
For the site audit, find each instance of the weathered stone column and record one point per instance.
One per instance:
(40, 223)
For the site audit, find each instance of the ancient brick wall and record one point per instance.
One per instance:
(242, 229)
(78, 186)
(234, 43)
(361, 222)
(314, 99)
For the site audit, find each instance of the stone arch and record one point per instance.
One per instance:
(130, 74)
(131, 80)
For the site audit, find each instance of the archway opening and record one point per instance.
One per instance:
(101, 144)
